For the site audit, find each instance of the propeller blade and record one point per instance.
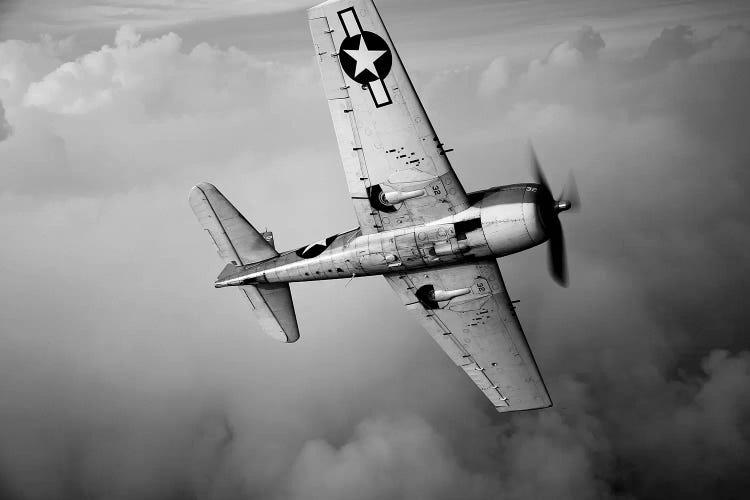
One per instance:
(570, 193)
(537, 168)
(558, 263)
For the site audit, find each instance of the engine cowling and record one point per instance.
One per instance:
(513, 218)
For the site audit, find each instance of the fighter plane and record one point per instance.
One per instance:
(434, 243)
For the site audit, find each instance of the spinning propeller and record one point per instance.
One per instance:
(550, 211)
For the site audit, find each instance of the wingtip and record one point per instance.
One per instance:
(203, 186)
(200, 190)
(283, 336)
(510, 409)
(321, 5)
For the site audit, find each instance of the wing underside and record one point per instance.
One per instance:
(396, 168)
(479, 330)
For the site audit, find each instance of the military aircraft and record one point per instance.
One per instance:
(435, 243)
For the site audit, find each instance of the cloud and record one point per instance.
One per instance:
(22, 63)
(702, 436)
(495, 78)
(109, 14)
(5, 128)
(588, 42)
(120, 106)
(673, 44)
(581, 49)
(152, 76)
(732, 44)
(145, 382)
(388, 457)
(6, 6)
(632, 375)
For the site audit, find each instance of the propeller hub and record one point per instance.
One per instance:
(562, 206)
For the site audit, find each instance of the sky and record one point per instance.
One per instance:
(125, 374)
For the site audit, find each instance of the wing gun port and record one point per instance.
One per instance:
(429, 297)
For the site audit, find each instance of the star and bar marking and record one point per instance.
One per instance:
(365, 57)
(314, 249)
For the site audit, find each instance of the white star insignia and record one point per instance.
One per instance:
(365, 58)
(321, 243)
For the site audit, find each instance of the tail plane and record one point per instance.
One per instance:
(240, 244)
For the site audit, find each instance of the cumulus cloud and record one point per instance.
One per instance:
(732, 44)
(153, 76)
(387, 458)
(495, 78)
(5, 128)
(120, 106)
(672, 44)
(580, 49)
(633, 378)
(22, 63)
(588, 42)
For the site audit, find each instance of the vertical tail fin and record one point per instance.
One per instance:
(236, 240)
(239, 243)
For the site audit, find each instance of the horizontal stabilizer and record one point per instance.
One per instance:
(236, 240)
(273, 306)
(226, 273)
(239, 244)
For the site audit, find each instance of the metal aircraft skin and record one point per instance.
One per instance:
(435, 244)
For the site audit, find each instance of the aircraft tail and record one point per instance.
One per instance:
(236, 240)
(239, 244)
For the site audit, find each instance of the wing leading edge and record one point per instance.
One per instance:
(479, 330)
(396, 168)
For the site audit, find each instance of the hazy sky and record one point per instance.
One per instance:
(125, 374)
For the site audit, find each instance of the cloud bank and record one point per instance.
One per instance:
(86, 14)
(125, 375)
(120, 107)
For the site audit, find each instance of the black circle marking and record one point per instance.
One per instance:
(426, 295)
(378, 201)
(364, 43)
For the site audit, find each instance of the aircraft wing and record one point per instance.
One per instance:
(479, 330)
(396, 168)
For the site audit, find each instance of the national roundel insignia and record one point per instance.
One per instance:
(365, 57)
(313, 250)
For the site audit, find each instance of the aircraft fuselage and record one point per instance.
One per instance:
(500, 221)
